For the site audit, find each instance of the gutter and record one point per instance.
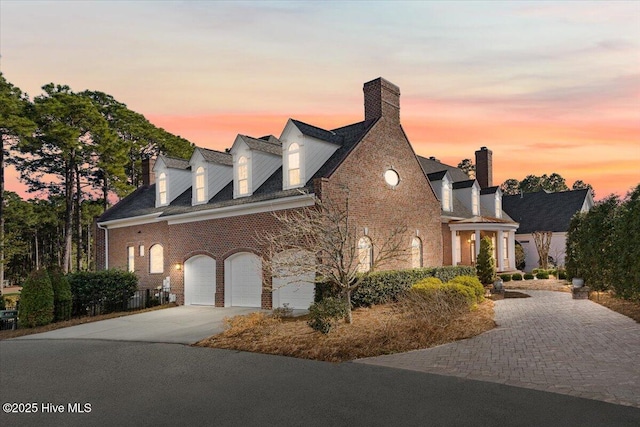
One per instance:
(106, 245)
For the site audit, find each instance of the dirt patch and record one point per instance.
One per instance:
(377, 330)
(73, 322)
(628, 308)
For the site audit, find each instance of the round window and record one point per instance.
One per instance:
(391, 177)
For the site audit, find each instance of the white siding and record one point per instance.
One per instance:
(316, 153)
(178, 181)
(218, 177)
(556, 249)
(263, 165)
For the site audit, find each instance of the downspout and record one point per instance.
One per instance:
(106, 245)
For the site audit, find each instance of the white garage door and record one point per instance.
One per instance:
(293, 280)
(200, 280)
(243, 280)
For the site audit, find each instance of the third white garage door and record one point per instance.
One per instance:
(243, 280)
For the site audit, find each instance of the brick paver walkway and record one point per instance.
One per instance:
(548, 342)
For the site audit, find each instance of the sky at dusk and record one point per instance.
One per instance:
(547, 86)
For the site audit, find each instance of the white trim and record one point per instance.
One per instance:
(244, 209)
(106, 245)
(134, 220)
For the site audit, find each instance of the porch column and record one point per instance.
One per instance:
(454, 248)
(477, 243)
(500, 250)
(512, 250)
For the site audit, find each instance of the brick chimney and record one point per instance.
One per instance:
(484, 167)
(381, 99)
(148, 177)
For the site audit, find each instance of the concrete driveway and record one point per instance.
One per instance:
(183, 325)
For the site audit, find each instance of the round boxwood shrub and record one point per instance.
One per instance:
(542, 275)
(325, 314)
(473, 283)
(505, 277)
(516, 276)
(36, 300)
(62, 297)
(528, 276)
(428, 284)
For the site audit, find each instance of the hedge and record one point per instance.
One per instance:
(111, 289)
(36, 300)
(383, 286)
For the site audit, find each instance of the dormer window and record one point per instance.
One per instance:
(498, 205)
(200, 190)
(162, 188)
(293, 158)
(475, 201)
(243, 176)
(446, 195)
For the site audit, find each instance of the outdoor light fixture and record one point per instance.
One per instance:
(178, 266)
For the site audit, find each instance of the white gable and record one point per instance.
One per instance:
(260, 166)
(176, 181)
(217, 176)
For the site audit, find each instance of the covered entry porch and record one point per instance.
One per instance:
(466, 235)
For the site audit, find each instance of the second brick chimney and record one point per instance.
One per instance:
(484, 167)
(148, 176)
(381, 99)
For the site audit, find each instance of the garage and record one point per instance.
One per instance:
(200, 280)
(293, 280)
(243, 280)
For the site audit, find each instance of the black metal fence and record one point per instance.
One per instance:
(94, 305)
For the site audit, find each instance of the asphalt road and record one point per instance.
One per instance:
(133, 383)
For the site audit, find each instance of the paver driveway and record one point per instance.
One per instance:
(548, 342)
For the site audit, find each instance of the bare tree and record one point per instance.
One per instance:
(320, 244)
(543, 241)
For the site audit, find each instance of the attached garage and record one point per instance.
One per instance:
(243, 280)
(200, 280)
(293, 281)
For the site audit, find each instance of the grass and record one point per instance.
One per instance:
(22, 331)
(382, 329)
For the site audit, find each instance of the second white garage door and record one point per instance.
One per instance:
(243, 280)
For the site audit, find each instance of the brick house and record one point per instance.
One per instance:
(192, 225)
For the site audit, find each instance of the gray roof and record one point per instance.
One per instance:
(436, 176)
(213, 156)
(272, 146)
(542, 211)
(468, 183)
(175, 163)
(318, 133)
(431, 165)
(489, 190)
(142, 200)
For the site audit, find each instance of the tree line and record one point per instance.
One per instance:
(76, 150)
(602, 246)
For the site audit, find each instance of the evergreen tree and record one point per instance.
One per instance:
(36, 300)
(486, 265)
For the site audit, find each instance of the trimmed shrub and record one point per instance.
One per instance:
(516, 276)
(428, 283)
(505, 277)
(450, 290)
(542, 275)
(528, 276)
(473, 283)
(325, 314)
(36, 300)
(108, 290)
(62, 297)
(486, 265)
(384, 286)
(536, 271)
(562, 275)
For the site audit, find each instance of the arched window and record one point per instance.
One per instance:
(162, 188)
(446, 195)
(156, 259)
(416, 253)
(200, 194)
(365, 254)
(475, 205)
(243, 175)
(293, 158)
